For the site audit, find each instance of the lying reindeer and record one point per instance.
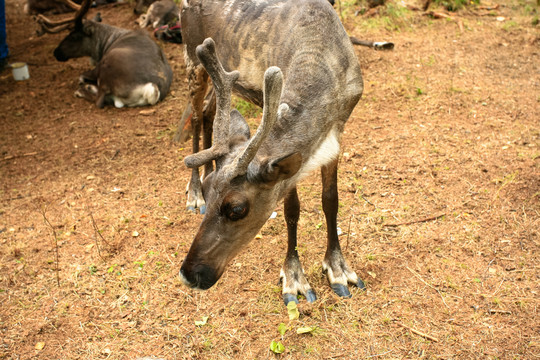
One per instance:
(131, 69)
(142, 5)
(160, 13)
(294, 59)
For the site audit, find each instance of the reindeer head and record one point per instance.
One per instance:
(76, 43)
(245, 187)
(79, 42)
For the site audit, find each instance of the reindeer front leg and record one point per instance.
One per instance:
(198, 85)
(88, 86)
(292, 274)
(334, 264)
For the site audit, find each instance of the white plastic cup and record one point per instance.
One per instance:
(20, 71)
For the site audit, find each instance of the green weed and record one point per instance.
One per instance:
(247, 109)
(455, 5)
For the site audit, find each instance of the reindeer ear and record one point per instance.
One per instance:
(238, 125)
(280, 169)
(88, 27)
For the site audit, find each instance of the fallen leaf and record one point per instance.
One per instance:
(306, 329)
(277, 347)
(202, 322)
(292, 309)
(40, 345)
(282, 329)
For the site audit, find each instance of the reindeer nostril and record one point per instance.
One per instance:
(200, 277)
(185, 280)
(206, 276)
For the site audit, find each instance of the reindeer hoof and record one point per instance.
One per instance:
(202, 209)
(341, 290)
(360, 284)
(287, 298)
(191, 209)
(311, 296)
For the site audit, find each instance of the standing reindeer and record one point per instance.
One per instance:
(294, 59)
(131, 69)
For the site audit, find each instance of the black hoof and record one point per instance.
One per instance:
(361, 285)
(341, 290)
(287, 298)
(311, 296)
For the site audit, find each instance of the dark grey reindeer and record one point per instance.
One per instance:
(131, 69)
(294, 59)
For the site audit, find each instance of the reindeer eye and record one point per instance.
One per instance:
(236, 211)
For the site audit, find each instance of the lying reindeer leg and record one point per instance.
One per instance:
(89, 77)
(88, 89)
(334, 264)
(292, 274)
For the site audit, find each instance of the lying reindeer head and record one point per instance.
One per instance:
(244, 189)
(77, 43)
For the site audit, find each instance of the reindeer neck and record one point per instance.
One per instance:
(105, 36)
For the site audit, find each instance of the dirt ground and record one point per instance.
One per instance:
(439, 208)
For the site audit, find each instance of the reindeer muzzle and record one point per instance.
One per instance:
(200, 277)
(60, 56)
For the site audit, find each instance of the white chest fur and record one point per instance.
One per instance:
(327, 151)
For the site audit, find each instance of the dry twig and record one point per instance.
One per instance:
(348, 233)
(429, 285)
(495, 311)
(47, 222)
(96, 230)
(417, 221)
(10, 157)
(417, 332)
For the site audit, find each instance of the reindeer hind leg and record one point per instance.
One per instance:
(209, 112)
(198, 83)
